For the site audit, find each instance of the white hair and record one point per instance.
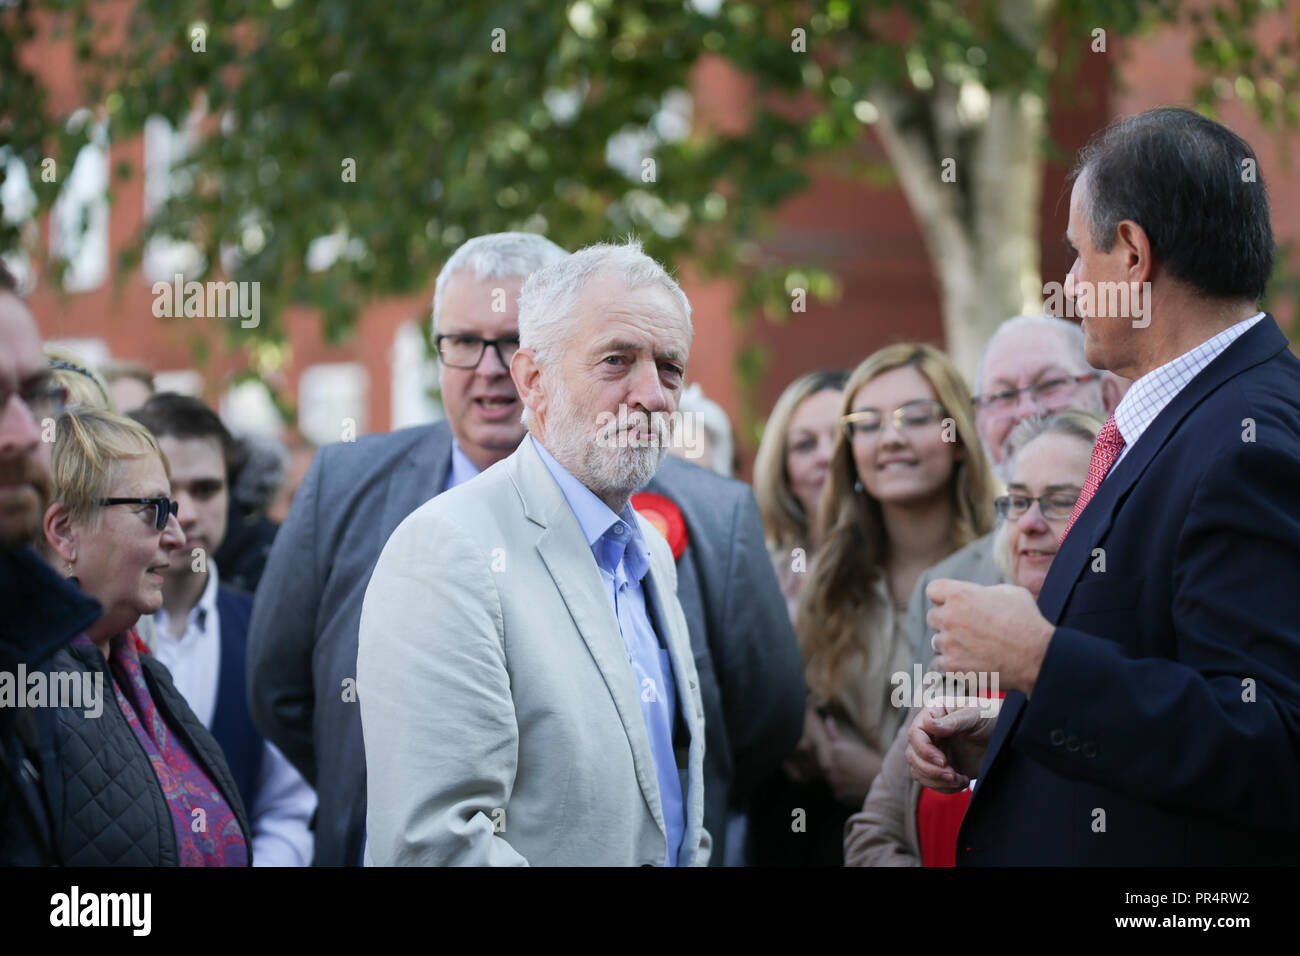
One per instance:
(716, 425)
(497, 255)
(1071, 332)
(549, 296)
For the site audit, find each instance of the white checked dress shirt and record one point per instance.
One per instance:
(1149, 395)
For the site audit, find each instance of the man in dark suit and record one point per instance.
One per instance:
(1154, 717)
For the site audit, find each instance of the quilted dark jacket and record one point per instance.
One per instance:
(106, 803)
(41, 613)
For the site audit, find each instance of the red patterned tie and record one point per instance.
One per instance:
(1109, 444)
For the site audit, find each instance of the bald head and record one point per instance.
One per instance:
(24, 458)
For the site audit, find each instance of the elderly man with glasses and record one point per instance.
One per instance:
(527, 682)
(1032, 365)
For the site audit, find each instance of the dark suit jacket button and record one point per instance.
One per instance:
(1072, 744)
(1057, 737)
(1089, 749)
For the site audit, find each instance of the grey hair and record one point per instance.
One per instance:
(1073, 423)
(716, 425)
(497, 255)
(549, 296)
(1072, 332)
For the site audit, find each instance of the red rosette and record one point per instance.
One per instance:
(665, 516)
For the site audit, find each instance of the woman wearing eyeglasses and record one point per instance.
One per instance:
(908, 485)
(137, 779)
(902, 823)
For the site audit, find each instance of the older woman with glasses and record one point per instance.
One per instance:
(138, 779)
(902, 823)
(908, 485)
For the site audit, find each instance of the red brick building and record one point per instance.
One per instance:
(866, 235)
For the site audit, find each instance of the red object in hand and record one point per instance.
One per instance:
(665, 516)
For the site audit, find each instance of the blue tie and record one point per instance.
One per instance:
(624, 567)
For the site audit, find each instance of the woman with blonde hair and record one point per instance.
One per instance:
(790, 472)
(86, 387)
(141, 781)
(908, 485)
(903, 823)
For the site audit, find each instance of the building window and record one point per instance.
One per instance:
(164, 148)
(79, 220)
(94, 352)
(182, 381)
(247, 408)
(18, 202)
(414, 379)
(332, 402)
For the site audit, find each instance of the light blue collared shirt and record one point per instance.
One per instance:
(624, 558)
(462, 469)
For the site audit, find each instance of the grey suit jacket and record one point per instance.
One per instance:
(500, 717)
(302, 642)
(972, 563)
(750, 667)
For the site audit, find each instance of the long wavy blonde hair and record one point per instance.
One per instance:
(854, 546)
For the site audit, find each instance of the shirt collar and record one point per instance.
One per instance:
(611, 537)
(462, 469)
(1147, 397)
(201, 613)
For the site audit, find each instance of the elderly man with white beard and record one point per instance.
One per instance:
(528, 693)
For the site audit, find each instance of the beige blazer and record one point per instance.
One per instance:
(863, 708)
(884, 832)
(501, 719)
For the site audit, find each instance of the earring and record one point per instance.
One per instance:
(857, 486)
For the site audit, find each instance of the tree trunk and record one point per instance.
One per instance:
(978, 212)
(982, 226)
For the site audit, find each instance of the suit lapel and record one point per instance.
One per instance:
(572, 567)
(660, 622)
(678, 645)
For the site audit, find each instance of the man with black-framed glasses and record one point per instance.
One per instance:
(303, 635)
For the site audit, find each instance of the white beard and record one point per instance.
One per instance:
(595, 457)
